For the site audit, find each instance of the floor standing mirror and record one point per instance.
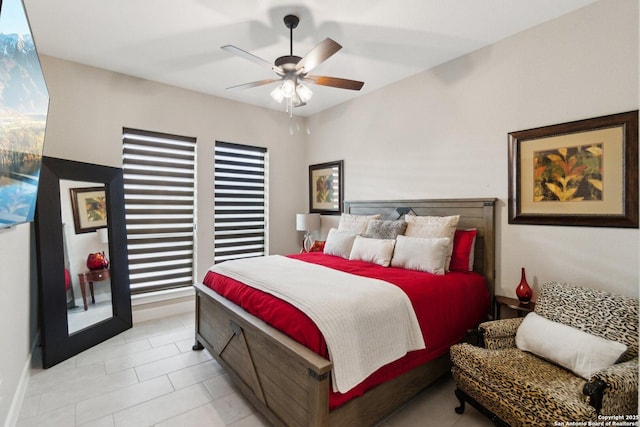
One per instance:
(83, 271)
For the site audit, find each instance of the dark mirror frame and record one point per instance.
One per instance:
(57, 343)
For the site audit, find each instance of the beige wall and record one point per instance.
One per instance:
(443, 133)
(17, 312)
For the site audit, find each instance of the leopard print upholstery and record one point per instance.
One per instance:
(514, 415)
(599, 313)
(554, 392)
(622, 383)
(501, 334)
(525, 390)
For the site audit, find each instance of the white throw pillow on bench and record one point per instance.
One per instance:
(580, 352)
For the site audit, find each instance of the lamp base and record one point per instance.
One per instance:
(307, 242)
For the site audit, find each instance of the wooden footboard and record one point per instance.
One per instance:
(284, 380)
(287, 382)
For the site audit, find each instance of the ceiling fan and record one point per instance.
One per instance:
(294, 71)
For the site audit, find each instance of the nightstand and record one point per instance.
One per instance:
(513, 305)
(89, 277)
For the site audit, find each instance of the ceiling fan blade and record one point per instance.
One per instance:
(253, 84)
(317, 55)
(250, 57)
(335, 82)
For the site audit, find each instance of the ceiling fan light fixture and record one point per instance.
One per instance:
(288, 88)
(294, 94)
(304, 92)
(278, 94)
(296, 101)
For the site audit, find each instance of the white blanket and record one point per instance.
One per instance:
(365, 322)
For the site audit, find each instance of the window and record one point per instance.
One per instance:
(240, 194)
(159, 180)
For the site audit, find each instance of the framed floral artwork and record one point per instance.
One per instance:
(582, 173)
(326, 188)
(89, 207)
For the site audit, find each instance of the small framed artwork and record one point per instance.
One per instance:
(326, 188)
(582, 173)
(89, 206)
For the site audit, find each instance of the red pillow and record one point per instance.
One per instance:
(67, 279)
(462, 256)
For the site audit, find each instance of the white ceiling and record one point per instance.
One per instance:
(178, 42)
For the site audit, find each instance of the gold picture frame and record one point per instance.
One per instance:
(326, 188)
(89, 207)
(582, 173)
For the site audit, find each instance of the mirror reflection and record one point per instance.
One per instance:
(86, 253)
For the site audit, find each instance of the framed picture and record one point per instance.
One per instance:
(89, 207)
(582, 173)
(24, 103)
(326, 188)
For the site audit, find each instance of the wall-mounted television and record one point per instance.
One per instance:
(24, 103)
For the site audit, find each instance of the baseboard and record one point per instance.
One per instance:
(157, 309)
(21, 390)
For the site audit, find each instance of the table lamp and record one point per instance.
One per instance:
(307, 223)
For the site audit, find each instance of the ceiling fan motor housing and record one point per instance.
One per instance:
(287, 62)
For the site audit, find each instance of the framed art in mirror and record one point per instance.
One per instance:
(89, 209)
(60, 340)
(326, 188)
(582, 173)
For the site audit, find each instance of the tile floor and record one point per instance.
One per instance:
(149, 376)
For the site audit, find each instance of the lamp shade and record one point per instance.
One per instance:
(307, 222)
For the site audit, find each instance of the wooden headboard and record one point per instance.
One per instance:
(474, 213)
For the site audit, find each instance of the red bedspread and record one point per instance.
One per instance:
(446, 307)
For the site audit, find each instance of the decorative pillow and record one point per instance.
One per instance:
(317, 246)
(339, 243)
(463, 250)
(356, 224)
(576, 350)
(433, 226)
(377, 251)
(423, 254)
(380, 229)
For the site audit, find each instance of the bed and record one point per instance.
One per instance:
(290, 383)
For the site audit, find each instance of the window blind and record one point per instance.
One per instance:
(159, 179)
(240, 208)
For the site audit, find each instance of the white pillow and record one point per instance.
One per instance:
(339, 243)
(377, 251)
(576, 350)
(414, 253)
(356, 224)
(433, 226)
